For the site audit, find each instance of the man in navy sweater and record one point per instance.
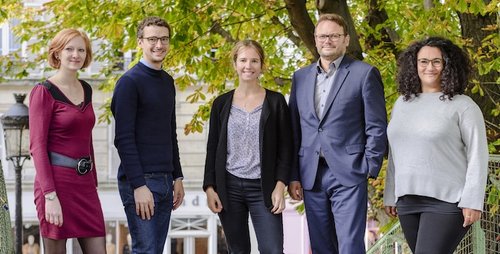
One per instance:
(150, 174)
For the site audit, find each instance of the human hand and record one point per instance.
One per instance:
(278, 199)
(295, 190)
(213, 200)
(53, 210)
(178, 193)
(391, 211)
(144, 202)
(470, 216)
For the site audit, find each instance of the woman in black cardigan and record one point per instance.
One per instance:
(248, 156)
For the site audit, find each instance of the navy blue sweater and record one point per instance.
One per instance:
(143, 106)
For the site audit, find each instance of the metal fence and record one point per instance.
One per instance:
(484, 236)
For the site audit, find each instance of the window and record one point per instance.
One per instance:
(14, 43)
(1, 37)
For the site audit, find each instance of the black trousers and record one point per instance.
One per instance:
(433, 233)
(245, 197)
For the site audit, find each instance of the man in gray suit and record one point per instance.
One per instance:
(339, 123)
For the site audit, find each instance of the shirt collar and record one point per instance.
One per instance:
(143, 61)
(333, 65)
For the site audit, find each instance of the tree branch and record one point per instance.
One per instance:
(289, 32)
(302, 23)
(217, 28)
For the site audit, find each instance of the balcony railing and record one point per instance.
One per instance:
(484, 236)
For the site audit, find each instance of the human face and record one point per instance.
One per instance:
(154, 53)
(330, 48)
(73, 55)
(430, 66)
(248, 64)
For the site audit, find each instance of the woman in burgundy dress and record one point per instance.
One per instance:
(61, 122)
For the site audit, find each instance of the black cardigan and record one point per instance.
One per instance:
(275, 143)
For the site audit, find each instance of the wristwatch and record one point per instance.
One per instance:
(51, 196)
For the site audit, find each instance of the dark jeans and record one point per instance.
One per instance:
(149, 236)
(244, 197)
(433, 233)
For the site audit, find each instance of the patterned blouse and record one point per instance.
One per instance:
(243, 153)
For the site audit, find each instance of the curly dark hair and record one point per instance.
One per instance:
(454, 76)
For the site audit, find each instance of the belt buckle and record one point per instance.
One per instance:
(84, 166)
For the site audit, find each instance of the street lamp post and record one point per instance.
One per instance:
(16, 136)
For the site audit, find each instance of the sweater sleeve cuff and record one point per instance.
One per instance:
(137, 182)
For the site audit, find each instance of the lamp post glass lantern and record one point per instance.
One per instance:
(16, 135)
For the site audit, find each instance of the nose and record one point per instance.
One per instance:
(248, 64)
(430, 66)
(158, 43)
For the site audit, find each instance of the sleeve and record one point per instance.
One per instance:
(177, 173)
(124, 108)
(285, 145)
(41, 107)
(389, 189)
(213, 140)
(296, 131)
(375, 121)
(473, 132)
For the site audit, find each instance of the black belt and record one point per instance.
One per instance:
(81, 165)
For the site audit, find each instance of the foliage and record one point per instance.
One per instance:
(205, 31)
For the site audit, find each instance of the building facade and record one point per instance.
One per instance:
(193, 229)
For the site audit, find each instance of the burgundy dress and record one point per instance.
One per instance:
(57, 125)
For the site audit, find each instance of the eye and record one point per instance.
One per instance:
(81, 50)
(165, 39)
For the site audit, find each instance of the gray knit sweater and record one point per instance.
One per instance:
(438, 149)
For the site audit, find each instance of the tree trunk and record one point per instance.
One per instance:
(340, 7)
(473, 30)
(377, 16)
(428, 4)
(5, 227)
(302, 23)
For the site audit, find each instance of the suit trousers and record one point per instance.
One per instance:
(244, 197)
(336, 214)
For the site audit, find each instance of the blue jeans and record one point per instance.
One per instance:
(244, 197)
(149, 236)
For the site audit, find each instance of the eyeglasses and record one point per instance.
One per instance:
(153, 40)
(332, 37)
(436, 62)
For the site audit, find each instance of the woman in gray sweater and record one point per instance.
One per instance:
(437, 170)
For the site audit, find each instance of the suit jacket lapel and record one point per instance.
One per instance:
(310, 89)
(338, 82)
